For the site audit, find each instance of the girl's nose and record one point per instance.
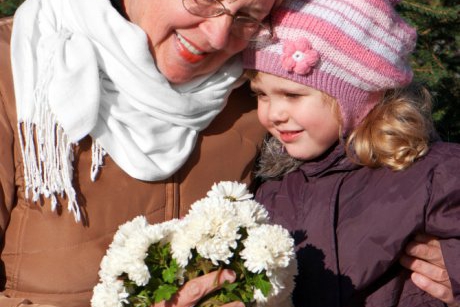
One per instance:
(218, 30)
(277, 113)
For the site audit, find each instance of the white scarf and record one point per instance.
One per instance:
(80, 68)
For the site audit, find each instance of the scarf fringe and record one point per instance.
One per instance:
(48, 157)
(48, 153)
(48, 167)
(97, 159)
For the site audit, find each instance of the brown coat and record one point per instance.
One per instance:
(50, 259)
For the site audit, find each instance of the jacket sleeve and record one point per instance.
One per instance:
(443, 211)
(7, 184)
(8, 163)
(7, 169)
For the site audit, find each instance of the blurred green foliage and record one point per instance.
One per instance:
(7, 7)
(436, 60)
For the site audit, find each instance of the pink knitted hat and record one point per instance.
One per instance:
(350, 49)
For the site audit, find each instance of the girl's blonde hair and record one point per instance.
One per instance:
(396, 132)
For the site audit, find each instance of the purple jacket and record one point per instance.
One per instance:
(351, 223)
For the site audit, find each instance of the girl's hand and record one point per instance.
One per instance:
(192, 291)
(424, 257)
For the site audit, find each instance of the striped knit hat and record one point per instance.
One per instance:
(351, 49)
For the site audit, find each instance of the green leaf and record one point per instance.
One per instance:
(233, 297)
(263, 284)
(230, 286)
(169, 274)
(164, 293)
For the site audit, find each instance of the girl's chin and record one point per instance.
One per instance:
(305, 156)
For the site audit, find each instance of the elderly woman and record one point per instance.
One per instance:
(118, 109)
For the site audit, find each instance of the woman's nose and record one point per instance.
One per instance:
(218, 30)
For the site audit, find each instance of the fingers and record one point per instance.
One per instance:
(437, 290)
(195, 289)
(434, 272)
(426, 248)
(427, 239)
(424, 258)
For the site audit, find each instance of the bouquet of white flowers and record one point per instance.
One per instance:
(148, 263)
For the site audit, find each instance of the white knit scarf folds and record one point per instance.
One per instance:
(80, 68)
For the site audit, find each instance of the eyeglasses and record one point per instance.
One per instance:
(243, 26)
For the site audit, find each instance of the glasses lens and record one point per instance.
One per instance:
(250, 29)
(204, 8)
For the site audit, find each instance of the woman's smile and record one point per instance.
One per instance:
(188, 51)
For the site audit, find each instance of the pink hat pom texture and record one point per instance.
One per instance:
(350, 49)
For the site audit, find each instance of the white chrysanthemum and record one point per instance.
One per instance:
(267, 247)
(168, 228)
(234, 191)
(110, 267)
(129, 249)
(138, 244)
(212, 228)
(128, 229)
(131, 256)
(138, 272)
(282, 285)
(259, 297)
(251, 213)
(218, 243)
(183, 240)
(182, 243)
(282, 281)
(115, 262)
(122, 260)
(109, 295)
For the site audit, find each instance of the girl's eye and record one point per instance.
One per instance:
(292, 95)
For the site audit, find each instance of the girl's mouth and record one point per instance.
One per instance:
(187, 51)
(289, 136)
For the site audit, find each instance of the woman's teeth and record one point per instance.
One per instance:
(187, 45)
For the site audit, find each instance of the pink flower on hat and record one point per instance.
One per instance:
(298, 56)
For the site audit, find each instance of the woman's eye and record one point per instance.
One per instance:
(257, 94)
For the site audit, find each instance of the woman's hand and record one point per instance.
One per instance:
(424, 257)
(192, 291)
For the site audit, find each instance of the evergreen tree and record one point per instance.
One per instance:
(7, 7)
(436, 60)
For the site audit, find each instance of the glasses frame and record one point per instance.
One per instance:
(235, 17)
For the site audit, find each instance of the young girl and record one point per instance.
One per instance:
(352, 168)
